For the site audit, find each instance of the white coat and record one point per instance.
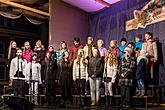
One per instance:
(36, 71)
(14, 67)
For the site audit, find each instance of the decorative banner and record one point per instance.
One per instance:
(152, 13)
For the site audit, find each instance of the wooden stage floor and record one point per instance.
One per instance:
(100, 108)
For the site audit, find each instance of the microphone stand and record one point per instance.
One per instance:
(17, 72)
(46, 78)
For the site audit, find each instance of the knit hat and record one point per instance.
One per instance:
(114, 41)
(50, 46)
(34, 54)
(123, 39)
(139, 36)
(128, 49)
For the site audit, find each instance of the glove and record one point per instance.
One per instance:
(93, 76)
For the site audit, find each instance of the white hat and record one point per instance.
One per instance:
(128, 49)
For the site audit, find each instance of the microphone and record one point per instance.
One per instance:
(20, 56)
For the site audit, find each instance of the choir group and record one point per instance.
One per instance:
(129, 66)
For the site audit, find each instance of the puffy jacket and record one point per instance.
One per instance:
(96, 67)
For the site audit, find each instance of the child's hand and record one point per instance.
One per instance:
(122, 75)
(93, 76)
(10, 83)
(28, 82)
(66, 59)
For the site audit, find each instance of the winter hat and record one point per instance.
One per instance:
(114, 41)
(128, 49)
(123, 39)
(34, 54)
(139, 36)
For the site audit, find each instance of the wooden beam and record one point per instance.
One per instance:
(7, 2)
(12, 32)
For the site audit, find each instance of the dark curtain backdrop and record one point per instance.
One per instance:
(110, 24)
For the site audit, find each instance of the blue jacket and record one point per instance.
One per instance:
(138, 45)
(59, 55)
(122, 47)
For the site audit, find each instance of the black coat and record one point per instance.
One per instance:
(50, 67)
(12, 54)
(141, 69)
(66, 73)
(96, 67)
(40, 55)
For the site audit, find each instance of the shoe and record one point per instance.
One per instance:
(139, 93)
(68, 104)
(107, 100)
(93, 103)
(127, 106)
(142, 93)
(122, 105)
(62, 104)
(111, 101)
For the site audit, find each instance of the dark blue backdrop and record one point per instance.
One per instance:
(110, 24)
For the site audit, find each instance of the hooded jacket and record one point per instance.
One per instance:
(151, 49)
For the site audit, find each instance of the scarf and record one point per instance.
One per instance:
(142, 57)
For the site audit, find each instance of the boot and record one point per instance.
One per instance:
(142, 93)
(111, 101)
(107, 100)
(93, 103)
(139, 93)
(52, 100)
(35, 100)
(62, 104)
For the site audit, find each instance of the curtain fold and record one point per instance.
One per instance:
(15, 13)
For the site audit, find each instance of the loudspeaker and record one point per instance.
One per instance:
(18, 103)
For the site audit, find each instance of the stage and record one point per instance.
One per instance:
(89, 108)
(98, 108)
